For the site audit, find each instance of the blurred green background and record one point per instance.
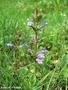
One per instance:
(16, 66)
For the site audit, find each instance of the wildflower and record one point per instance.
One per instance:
(43, 24)
(30, 23)
(10, 44)
(39, 61)
(40, 55)
(40, 58)
(44, 50)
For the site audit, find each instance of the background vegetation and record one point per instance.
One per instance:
(17, 67)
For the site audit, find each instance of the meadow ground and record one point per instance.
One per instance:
(33, 54)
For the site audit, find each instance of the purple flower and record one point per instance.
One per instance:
(39, 61)
(10, 44)
(40, 58)
(40, 55)
(30, 23)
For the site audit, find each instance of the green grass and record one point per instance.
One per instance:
(17, 67)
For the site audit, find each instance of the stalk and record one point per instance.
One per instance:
(36, 37)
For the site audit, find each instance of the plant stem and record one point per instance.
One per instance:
(36, 37)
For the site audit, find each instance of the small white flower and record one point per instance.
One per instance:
(10, 44)
(30, 23)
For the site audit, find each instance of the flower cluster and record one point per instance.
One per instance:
(41, 56)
